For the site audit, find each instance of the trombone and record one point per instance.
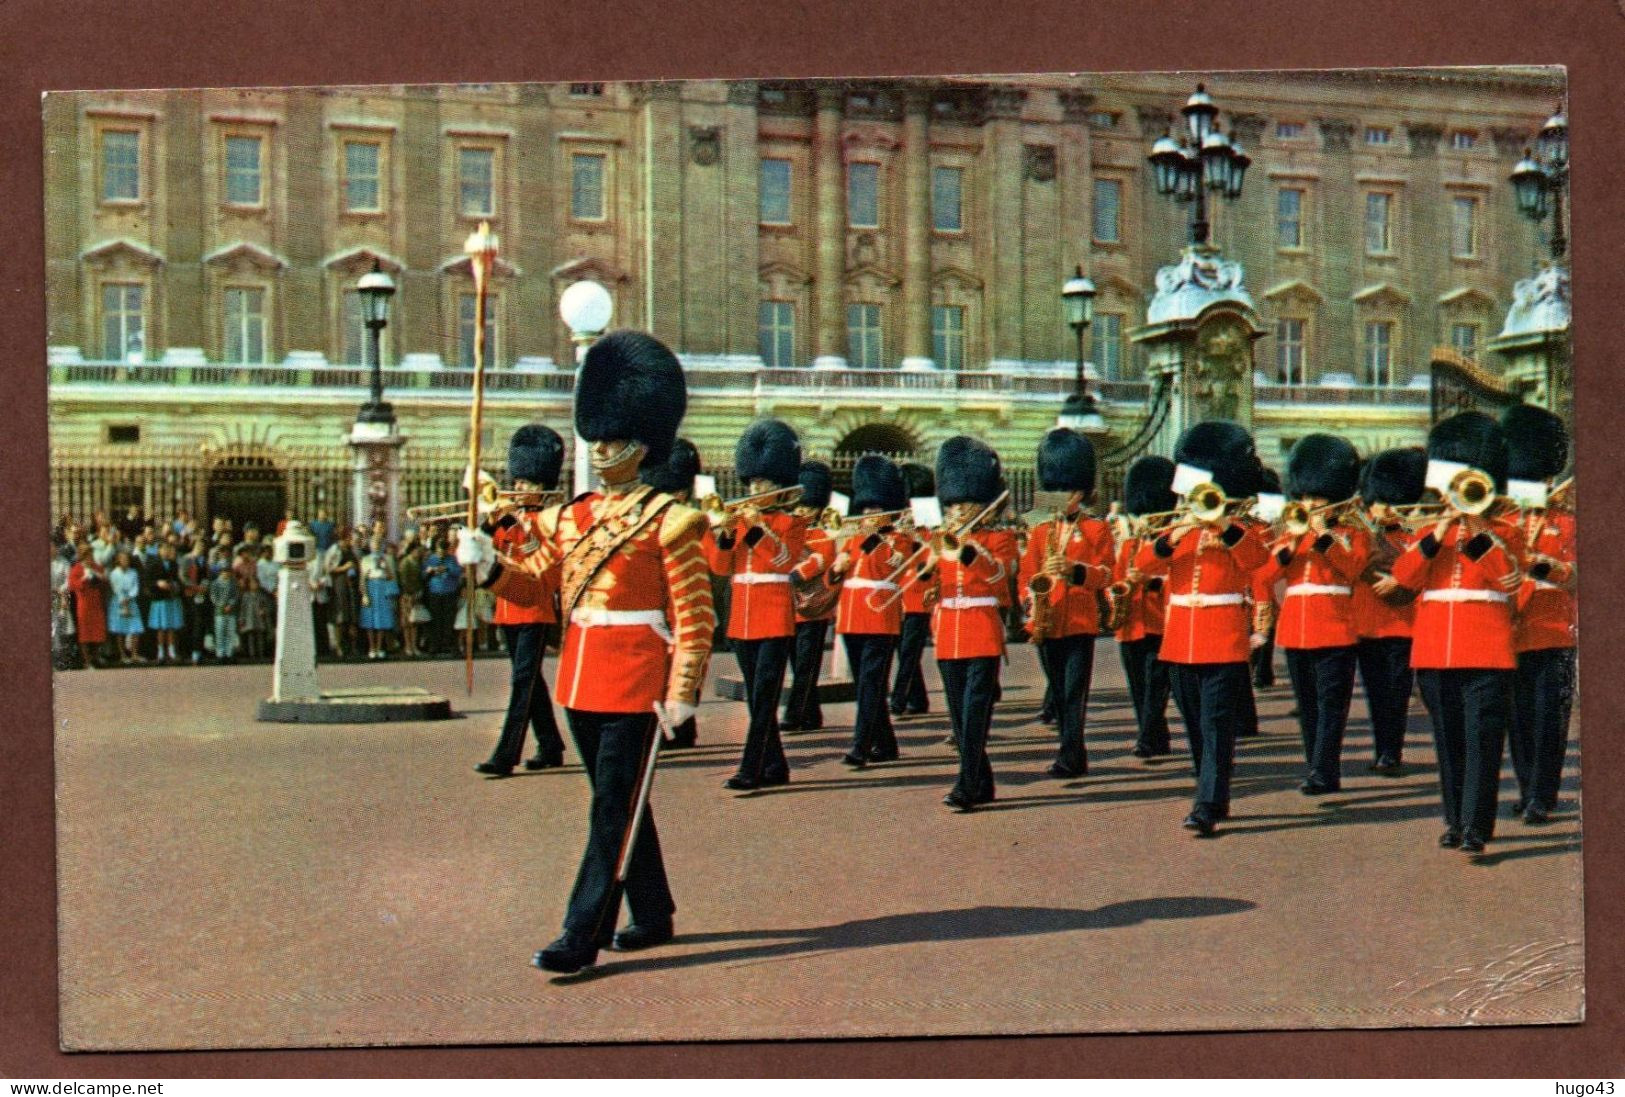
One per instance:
(853, 523)
(1469, 493)
(1296, 517)
(490, 500)
(943, 541)
(1205, 504)
(719, 511)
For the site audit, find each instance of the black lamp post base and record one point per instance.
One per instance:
(379, 412)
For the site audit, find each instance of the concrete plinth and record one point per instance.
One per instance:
(369, 705)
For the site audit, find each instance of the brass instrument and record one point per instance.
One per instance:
(854, 523)
(1203, 505)
(1471, 492)
(493, 500)
(1295, 518)
(1042, 585)
(719, 510)
(1562, 496)
(943, 541)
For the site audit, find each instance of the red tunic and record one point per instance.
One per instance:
(820, 548)
(1208, 577)
(89, 586)
(1006, 549)
(641, 630)
(1087, 545)
(511, 540)
(917, 594)
(1546, 606)
(1464, 615)
(869, 579)
(1147, 607)
(966, 623)
(762, 607)
(1321, 571)
(1375, 619)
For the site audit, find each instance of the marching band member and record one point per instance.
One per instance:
(675, 477)
(870, 615)
(759, 549)
(1321, 560)
(1067, 561)
(1207, 568)
(968, 629)
(1538, 445)
(1147, 489)
(1467, 567)
(908, 695)
(802, 712)
(636, 604)
(535, 455)
(1384, 611)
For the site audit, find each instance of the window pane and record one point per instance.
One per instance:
(476, 176)
(863, 195)
(777, 333)
(465, 331)
(775, 200)
(1108, 211)
(1379, 353)
(245, 325)
(355, 330)
(1289, 208)
(121, 166)
(243, 171)
(587, 187)
(123, 321)
(946, 199)
(1290, 365)
(1106, 345)
(1464, 337)
(863, 336)
(948, 336)
(1464, 235)
(1377, 236)
(361, 176)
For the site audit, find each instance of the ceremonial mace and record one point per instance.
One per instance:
(481, 248)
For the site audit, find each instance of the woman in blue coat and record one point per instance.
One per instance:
(124, 607)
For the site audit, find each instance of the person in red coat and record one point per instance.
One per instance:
(1207, 569)
(967, 626)
(636, 604)
(1543, 690)
(759, 549)
(88, 582)
(535, 457)
(1070, 556)
(908, 694)
(1147, 489)
(1467, 568)
(1315, 622)
(1384, 611)
(676, 478)
(802, 712)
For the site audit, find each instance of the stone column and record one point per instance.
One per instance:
(917, 230)
(1002, 152)
(742, 164)
(829, 288)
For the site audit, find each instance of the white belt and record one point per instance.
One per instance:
(1542, 584)
(601, 618)
(870, 584)
(1455, 595)
(1317, 588)
(761, 577)
(967, 603)
(1197, 601)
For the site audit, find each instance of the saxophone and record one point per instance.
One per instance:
(1042, 585)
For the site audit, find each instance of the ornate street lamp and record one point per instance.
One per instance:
(586, 309)
(1204, 160)
(376, 289)
(1078, 303)
(1541, 178)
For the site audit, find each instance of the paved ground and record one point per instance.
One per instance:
(226, 883)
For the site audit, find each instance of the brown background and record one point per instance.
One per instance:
(100, 43)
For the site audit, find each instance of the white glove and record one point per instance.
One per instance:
(678, 713)
(476, 553)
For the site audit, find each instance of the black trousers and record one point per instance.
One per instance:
(1148, 690)
(442, 615)
(1323, 686)
(1263, 661)
(870, 655)
(1213, 699)
(801, 708)
(1543, 695)
(970, 685)
(761, 665)
(1385, 671)
(1470, 710)
(908, 691)
(613, 746)
(1071, 663)
(529, 703)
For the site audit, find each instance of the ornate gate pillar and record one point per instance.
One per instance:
(1535, 341)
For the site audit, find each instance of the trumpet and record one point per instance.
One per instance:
(943, 541)
(490, 500)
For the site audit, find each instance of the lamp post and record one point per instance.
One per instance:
(1078, 303)
(1541, 180)
(586, 309)
(1202, 160)
(376, 288)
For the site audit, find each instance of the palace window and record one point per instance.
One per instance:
(1289, 131)
(1379, 229)
(1289, 217)
(244, 178)
(121, 166)
(1464, 227)
(1106, 345)
(775, 192)
(1291, 360)
(465, 331)
(1108, 212)
(1379, 352)
(1464, 339)
(124, 321)
(863, 336)
(863, 195)
(776, 333)
(1103, 119)
(586, 91)
(948, 336)
(476, 182)
(245, 325)
(362, 183)
(357, 340)
(1378, 135)
(587, 186)
(947, 199)
(1462, 140)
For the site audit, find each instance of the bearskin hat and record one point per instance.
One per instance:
(768, 450)
(1269, 481)
(919, 479)
(631, 386)
(1224, 449)
(1471, 438)
(677, 472)
(816, 485)
(1537, 443)
(877, 483)
(536, 454)
(1148, 486)
(1324, 466)
(1395, 476)
(1066, 462)
(968, 471)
